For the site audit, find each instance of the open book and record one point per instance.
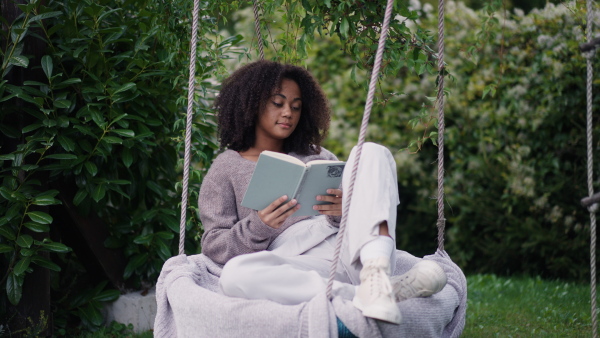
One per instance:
(278, 174)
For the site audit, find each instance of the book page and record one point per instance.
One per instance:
(318, 178)
(272, 178)
(283, 157)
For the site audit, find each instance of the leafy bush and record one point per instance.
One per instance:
(96, 121)
(517, 160)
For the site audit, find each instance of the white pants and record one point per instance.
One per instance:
(297, 264)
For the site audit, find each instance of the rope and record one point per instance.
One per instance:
(361, 140)
(590, 176)
(188, 127)
(441, 222)
(257, 29)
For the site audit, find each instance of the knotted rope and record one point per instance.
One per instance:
(257, 29)
(188, 127)
(590, 169)
(361, 141)
(441, 222)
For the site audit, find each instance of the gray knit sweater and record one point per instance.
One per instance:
(229, 228)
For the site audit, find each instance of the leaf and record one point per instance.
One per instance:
(112, 139)
(118, 118)
(14, 288)
(47, 65)
(124, 132)
(45, 200)
(45, 16)
(62, 156)
(25, 241)
(50, 123)
(165, 235)
(62, 103)
(80, 196)
(69, 81)
(99, 192)
(37, 227)
(66, 143)
(20, 61)
(344, 26)
(92, 314)
(163, 250)
(31, 127)
(107, 296)
(91, 168)
(5, 248)
(143, 239)
(27, 252)
(56, 247)
(21, 265)
(120, 182)
(170, 221)
(40, 217)
(125, 87)
(7, 232)
(155, 187)
(7, 157)
(45, 263)
(34, 83)
(127, 157)
(137, 261)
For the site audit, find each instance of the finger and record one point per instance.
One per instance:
(290, 208)
(335, 192)
(327, 207)
(328, 198)
(285, 209)
(276, 217)
(275, 204)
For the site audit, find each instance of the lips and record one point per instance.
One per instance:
(285, 125)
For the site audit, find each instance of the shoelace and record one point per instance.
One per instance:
(404, 287)
(378, 285)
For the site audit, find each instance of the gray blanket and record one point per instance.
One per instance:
(189, 305)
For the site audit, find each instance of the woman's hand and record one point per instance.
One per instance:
(277, 212)
(334, 209)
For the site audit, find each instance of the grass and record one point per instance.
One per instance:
(115, 330)
(526, 307)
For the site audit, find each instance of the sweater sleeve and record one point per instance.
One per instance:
(225, 235)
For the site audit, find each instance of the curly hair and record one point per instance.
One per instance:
(244, 95)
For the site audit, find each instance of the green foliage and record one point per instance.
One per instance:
(517, 160)
(104, 117)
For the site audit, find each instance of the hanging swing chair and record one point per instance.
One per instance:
(189, 303)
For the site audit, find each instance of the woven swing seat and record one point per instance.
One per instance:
(190, 305)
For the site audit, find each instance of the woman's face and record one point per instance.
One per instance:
(281, 114)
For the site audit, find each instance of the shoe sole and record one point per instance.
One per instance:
(379, 312)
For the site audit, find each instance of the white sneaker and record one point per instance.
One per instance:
(374, 295)
(422, 280)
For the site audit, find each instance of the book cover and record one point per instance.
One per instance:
(279, 174)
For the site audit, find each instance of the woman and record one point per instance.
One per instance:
(270, 253)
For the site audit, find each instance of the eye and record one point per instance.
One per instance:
(297, 108)
(279, 105)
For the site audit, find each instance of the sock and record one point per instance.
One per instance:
(382, 246)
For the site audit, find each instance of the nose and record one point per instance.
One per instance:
(287, 111)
